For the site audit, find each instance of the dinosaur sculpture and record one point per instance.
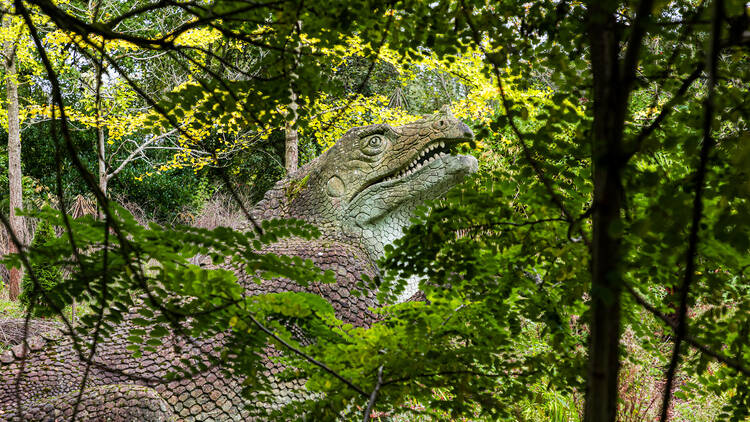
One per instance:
(360, 194)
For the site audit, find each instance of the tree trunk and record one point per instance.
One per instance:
(291, 156)
(291, 144)
(614, 78)
(102, 162)
(100, 144)
(606, 256)
(17, 223)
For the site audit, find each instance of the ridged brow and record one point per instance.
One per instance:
(377, 130)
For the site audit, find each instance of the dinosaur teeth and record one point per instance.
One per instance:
(429, 154)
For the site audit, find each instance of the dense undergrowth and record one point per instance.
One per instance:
(645, 345)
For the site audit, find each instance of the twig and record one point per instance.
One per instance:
(100, 319)
(514, 224)
(103, 201)
(69, 22)
(445, 321)
(138, 150)
(637, 32)
(440, 374)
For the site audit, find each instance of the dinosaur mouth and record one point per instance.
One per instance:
(437, 150)
(428, 155)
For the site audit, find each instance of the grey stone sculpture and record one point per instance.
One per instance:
(360, 194)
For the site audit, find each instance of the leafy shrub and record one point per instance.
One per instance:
(161, 195)
(47, 274)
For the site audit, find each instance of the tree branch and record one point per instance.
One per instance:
(125, 247)
(514, 224)
(80, 27)
(700, 177)
(692, 341)
(137, 151)
(307, 357)
(665, 111)
(637, 33)
(374, 395)
(441, 374)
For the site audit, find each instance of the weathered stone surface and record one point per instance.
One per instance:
(360, 194)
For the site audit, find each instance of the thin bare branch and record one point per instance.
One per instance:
(138, 150)
(373, 395)
(712, 60)
(307, 357)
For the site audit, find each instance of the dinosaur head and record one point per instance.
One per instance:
(369, 183)
(366, 187)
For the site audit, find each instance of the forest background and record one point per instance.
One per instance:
(596, 263)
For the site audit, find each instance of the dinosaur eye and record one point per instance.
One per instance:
(373, 145)
(440, 124)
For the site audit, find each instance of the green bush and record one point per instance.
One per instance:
(161, 195)
(47, 274)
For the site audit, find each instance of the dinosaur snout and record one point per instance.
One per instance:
(464, 131)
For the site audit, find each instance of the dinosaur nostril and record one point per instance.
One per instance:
(439, 124)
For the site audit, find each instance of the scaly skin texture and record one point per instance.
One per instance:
(360, 194)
